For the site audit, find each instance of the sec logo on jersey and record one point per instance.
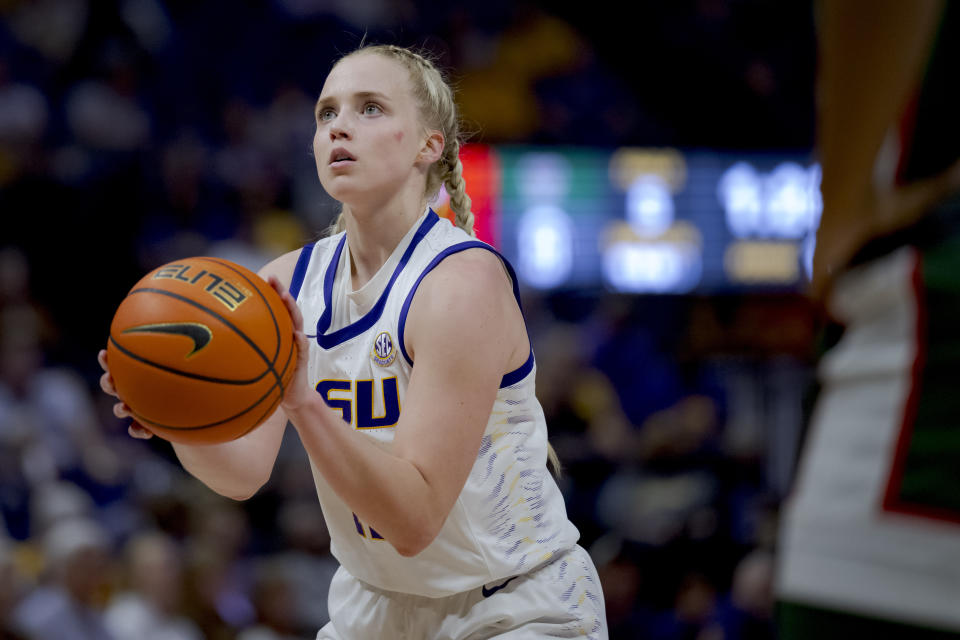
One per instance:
(383, 353)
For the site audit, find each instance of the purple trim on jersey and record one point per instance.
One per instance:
(514, 376)
(328, 277)
(328, 341)
(300, 271)
(519, 373)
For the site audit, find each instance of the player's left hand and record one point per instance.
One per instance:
(298, 391)
(120, 409)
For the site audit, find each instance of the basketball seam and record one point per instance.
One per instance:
(235, 416)
(185, 374)
(276, 325)
(230, 325)
(209, 424)
(273, 405)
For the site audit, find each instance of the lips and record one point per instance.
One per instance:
(340, 155)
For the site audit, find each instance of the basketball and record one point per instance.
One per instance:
(201, 350)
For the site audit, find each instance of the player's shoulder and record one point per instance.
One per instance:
(469, 293)
(284, 266)
(474, 271)
(463, 287)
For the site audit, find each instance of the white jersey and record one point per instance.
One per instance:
(510, 516)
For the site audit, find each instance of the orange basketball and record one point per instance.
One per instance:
(201, 350)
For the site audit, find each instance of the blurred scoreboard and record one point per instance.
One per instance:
(640, 220)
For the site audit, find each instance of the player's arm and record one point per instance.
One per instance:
(871, 54)
(236, 469)
(464, 331)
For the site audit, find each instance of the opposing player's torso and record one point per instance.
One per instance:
(873, 524)
(510, 515)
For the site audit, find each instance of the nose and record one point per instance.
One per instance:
(340, 129)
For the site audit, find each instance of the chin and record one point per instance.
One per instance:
(347, 196)
(342, 187)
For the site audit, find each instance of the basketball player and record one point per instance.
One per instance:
(870, 544)
(414, 394)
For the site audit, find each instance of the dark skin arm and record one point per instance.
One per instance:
(872, 54)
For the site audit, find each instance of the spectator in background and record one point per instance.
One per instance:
(106, 115)
(499, 93)
(48, 427)
(54, 501)
(634, 353)
(212, 602)
(587, 425)
(24, 113)
(305, 562)
(149, 606)
(218, 566)
(68, 604)
(746, 612)
(13, 587)
(695, 601)
(568, 97)
(15, 280)
(52, 28)
(242, 163)
(274, 599)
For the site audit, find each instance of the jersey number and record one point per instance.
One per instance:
(373, 532)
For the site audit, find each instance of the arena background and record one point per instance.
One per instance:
(647, 168)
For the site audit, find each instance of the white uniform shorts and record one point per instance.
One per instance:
(560, 599)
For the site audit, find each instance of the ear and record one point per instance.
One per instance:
(432, 147)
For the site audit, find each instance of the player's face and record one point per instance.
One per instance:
(368, 130)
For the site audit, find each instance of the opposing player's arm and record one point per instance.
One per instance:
(871, 58)
(238, 469)
(464, 332)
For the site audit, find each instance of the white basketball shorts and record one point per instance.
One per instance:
(560, 599)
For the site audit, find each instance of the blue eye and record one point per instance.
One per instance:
(371, 109)
(325, 115)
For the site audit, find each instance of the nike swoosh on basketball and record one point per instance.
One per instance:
(489, 592)
(200, 334)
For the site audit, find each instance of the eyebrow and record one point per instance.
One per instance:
(358, 96)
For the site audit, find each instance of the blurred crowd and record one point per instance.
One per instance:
(136, 131)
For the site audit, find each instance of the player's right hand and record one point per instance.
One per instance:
(120, 409)
(299, 391)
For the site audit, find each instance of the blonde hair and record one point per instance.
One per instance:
(438, 111)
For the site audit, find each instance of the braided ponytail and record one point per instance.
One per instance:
(456, 188)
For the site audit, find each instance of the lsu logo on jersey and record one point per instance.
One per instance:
(384, 352)
(359, 404)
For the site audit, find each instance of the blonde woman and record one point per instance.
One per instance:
(415, 399)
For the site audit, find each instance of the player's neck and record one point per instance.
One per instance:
(373, 236)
